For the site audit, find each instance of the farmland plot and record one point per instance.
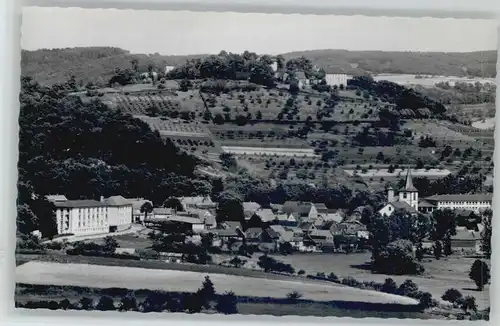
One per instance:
(264, 151)
(172, 280)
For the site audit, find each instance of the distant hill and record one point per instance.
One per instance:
(97, 64)
(479, 64)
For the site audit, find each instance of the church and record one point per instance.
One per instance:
(406, 199)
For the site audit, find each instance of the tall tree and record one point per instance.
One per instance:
(146, 208)
(487, 232)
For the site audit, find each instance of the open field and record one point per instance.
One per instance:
(440, 275)
(292, 152)
(430, 81)
(171, 280)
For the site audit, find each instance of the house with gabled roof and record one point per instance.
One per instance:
(323, 239)
(307, 227)
(250, 207)
(265, 214)
(202, 202)
(321, 208)
(304, 211)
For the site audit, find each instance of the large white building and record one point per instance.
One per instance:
(475, 202)
(337, 79)
(82, 217)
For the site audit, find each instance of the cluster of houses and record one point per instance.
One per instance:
(305, 226)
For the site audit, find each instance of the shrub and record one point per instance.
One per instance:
(294, 296)
(86, 304)
(106, 303)
(193, 303)
(332, 277)
(452, 295)
(301, 272)
(227, 303)
(154, 302)
(468, 303)
(408, 288)
(237, 262)
(128, 303)
(65, 304)
(389, 286)
(350, 281)
(426, 301)
(397, 258)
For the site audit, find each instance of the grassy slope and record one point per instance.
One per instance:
(98, 64)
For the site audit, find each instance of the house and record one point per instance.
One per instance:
(285, 220)
(119, 213)
(265, 215)
(307, 227)
(81, 217)
(390, 208)
(337, 216)
(357, 213)
(323, 239)
(206, 216)
(466, 242)
(162, 213)
(302, 79)
(201, 202)
(276, 208)
(169, 69)
(267, 239)
(321, 208)
(474, 202)
(333, 226)
(425, 206)
(296, 237)
(137, 203)
(250, 207)
(304, 211)
(337, 79)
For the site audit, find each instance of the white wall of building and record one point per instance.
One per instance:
(120, 216)
(387, 210)
(82, 221)
(468, 205)
(336, 79)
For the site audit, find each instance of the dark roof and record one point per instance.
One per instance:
(300, 75)
(226, 233)
(79, 203)
(253, 233)
(116, 201)
(402, 205)
(305, 225)
(425, 203)
(466, 197)
(320, 207)
(232, 225)
(303, 208)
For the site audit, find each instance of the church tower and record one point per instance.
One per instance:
(409, 193)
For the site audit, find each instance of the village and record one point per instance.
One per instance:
(301, 226)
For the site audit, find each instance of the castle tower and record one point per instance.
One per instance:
(409, 193)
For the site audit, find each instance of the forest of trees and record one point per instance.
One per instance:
(86, 151)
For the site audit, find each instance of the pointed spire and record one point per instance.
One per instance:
(409, 182)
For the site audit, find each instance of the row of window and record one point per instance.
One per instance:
(465, 203)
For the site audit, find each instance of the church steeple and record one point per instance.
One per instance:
(409, 187)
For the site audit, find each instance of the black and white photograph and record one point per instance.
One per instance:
(255, 164)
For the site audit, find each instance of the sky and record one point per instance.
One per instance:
(184, 32)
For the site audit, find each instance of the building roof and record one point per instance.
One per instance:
(302, 208)
(409, 183)
(253, 233)
(225, 232)
(359, 209)
(265, 214)
(334, 217)
(294, 229)
(55, 198)
(466, 235)
(276, 207)
(278, 229)
(250, 206)
(425, 203)
(232, 225)
(459, 197)
(321, 234)
(116, 201)
(79, 203)
(138, 202)
(306, 225)
(184, 219)
(321, 207)
(300, 75)
(196, 200)
(402, 205)
(163, 211)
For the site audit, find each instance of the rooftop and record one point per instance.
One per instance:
(117, 201)
(84, 203)
(459, 197)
